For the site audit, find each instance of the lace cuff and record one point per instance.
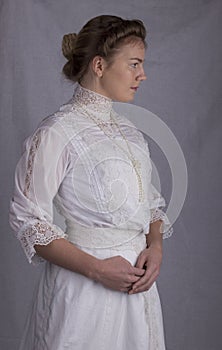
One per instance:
(38, 232)
(166, 227)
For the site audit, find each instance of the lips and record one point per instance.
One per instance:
(134, 88)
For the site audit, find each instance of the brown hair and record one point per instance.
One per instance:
(101, 36)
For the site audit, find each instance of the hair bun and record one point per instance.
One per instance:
(68, 45)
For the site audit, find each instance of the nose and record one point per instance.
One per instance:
(141, 76)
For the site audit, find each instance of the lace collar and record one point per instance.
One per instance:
(92, 102)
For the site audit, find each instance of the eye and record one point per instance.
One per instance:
(134, 65)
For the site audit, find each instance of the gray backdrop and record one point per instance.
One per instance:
(183, 87)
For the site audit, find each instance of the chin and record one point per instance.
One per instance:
(130, 99)
(125, 99)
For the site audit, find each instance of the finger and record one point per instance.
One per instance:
(143, 280)
(140, 261)
(146, 286)
(153, 269)
(133, 279)
(143, 288)
(130, 279)
(150, 272)
(137, 271)
(147, 283)
(126, 288)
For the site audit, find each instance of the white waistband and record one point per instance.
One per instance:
(98, 237)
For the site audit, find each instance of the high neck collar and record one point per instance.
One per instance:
(92, 102)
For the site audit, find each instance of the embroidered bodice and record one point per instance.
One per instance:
(91, 163)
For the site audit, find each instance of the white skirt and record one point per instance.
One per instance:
(72, 312)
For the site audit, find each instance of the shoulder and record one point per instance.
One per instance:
(60, 125)
(49, 131)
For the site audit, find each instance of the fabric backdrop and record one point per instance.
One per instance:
(184, 70)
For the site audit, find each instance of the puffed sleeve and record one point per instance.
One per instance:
(38, 176)
(157, 202)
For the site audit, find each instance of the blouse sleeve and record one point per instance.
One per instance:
(38, 175)
(157, 202)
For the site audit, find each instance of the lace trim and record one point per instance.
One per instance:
(92, 100)
(154, 318)
(32, 152)
(166, 228)
(38, 233)
(156, 214)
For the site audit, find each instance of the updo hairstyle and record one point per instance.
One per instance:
(100, 36)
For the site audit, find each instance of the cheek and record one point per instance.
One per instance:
(121, 72)
(117, 75)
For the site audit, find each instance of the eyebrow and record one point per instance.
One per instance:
(138, 59)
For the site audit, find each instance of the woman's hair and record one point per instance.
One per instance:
(100, 36)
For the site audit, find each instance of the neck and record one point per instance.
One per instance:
(92, 83)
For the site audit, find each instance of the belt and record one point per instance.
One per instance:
(99, 237)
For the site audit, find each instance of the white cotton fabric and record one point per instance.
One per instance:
(79, 160)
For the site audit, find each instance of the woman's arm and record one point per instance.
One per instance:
(39, 174)
(115, 273)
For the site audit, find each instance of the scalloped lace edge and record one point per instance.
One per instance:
(41, 233)
(166, 227)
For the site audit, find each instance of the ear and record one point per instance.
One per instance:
(98, 65)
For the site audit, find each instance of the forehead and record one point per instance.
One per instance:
(130, 50)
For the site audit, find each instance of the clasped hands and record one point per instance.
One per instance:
(117, 273)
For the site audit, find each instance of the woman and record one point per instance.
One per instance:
(98, 289)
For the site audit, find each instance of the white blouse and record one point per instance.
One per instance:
(94, 166)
